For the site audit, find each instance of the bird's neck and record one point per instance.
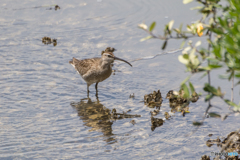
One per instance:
(105, 64)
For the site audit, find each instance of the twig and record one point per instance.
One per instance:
(232, 94)
(167, 38)
(209, 78)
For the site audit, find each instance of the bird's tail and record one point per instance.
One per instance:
(72, 61)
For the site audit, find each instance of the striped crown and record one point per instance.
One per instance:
(109, 49)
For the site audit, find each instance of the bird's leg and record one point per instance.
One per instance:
(88, 90)
(96, 90)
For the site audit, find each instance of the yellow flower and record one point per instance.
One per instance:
(199, 29)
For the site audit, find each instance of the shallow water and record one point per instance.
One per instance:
(42, 115)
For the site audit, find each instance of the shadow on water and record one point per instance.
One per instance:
(98, 117)
(95, 115)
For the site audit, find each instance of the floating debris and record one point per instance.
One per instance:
(205, 157)
(56, 7)
(217, 141)
(195, 97)
(115, 115)
(132, 96)
(128, 110)
(231, 144)
(48, 40)
(155, 112)
(133, 122)
(179, 103)
(196, 123)
(153, 99)
(178, 97)
(156, 122)
(167, 115)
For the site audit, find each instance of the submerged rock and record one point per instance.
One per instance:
(156, 122)
(178, 97)
(230, 144)
(153, 99)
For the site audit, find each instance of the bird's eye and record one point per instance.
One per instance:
(109, 56)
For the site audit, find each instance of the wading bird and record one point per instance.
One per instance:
(96, 70)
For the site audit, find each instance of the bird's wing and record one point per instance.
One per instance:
(83, 66)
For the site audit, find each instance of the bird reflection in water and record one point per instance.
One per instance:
(95, 115)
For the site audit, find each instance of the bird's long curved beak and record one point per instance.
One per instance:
(116, 58)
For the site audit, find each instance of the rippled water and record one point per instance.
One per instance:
(42, 115)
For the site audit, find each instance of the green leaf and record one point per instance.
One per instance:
(223, 76)
(195, 123)
(191, 87)
(182, 44)
(187, 1)
(213, 66)
(183, 60)
(142, 26)
(214, 60)
(215, 115)
(146, 38)
(164, 45)
(185, 51)
(208, 97)
(198, 8)
(217, 31)
(203, 75)
(207, 68)
(152, 26)
(230, 103)
(186, 91)
(237, 108)
(237, 75)
(170, 24)
(198, 44)
(185, 80)
(231, 75)
(209, 88)
(177, 30)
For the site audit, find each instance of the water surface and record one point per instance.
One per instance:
(42, 115)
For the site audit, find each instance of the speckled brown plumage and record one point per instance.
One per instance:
(92, 70)
(96, 70)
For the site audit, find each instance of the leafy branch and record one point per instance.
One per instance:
(220, 24)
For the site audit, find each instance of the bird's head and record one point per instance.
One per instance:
(109, 57)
